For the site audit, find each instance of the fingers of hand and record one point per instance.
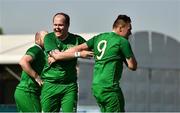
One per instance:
(91, 54)
(39, 81)
(49, 62)
(53, 52)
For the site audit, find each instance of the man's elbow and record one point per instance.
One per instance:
(133, 67)
(21, 63)
(24, 61)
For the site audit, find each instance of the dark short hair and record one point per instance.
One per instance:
(66, 17)
(121, 19)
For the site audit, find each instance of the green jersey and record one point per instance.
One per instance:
(110, 50)
(61, 71)
(28, 83)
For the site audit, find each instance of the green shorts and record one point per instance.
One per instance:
(109, 100)
(27, 101)
(56, 96)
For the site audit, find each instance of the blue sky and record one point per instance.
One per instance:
(29, 16)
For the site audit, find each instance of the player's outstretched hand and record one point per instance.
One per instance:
(86, 54)
(51, 60)
(38, 80)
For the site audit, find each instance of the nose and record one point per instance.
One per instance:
(57, 27)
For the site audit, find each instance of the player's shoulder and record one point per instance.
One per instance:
(34, 48)
(50, 35)
(74, 35)
(31, 48)
(100, 35)
(121, 38)
(103, 34)
(77, 37)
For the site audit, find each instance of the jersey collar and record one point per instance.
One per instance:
(38, 46)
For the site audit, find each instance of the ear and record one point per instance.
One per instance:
(120, 28)
(42, 41)
(38, 41)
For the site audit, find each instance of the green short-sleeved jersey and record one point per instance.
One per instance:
(109, 51)
(61, 71)
(28, 83)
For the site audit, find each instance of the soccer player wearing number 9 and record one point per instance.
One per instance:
(110, 49)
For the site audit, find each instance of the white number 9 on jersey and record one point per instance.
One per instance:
(101, 48)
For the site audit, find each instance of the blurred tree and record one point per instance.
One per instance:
(1, 31)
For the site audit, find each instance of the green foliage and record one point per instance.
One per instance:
(1, 31)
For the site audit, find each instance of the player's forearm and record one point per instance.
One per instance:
(132, 63)
(27, 68)
(64, 55)
(73, 49)
(71, 55)
(25, 63)
(73, 52)
(78, 48)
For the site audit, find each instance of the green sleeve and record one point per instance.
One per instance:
(32, 52)
(49, 43)
(81, 40)
(90, 43)
(126, 49)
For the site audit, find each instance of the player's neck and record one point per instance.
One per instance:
(64, 37)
